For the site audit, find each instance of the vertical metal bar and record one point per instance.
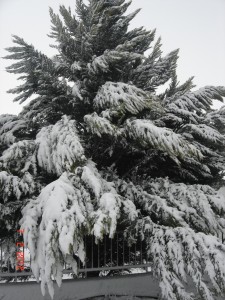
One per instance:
(85, 255)
(15, 274)
(85, 251)
(123, 250)
(117, 254)
(23, 256)
(8, 253)
(105, 251)
(1, 256)
(135, 251)
(98, 256)
(141, 253)
(147, 247)
(92, 252)
(17, 240)
(129, 253)
(111, 252)
(78, 264)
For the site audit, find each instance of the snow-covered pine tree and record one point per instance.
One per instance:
(99, 150)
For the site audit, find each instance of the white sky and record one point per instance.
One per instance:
(197, 27)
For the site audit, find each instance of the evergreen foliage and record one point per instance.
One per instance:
(99, 150)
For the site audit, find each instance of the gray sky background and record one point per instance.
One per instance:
(197, 27)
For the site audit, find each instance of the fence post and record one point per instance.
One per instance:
(117, 254)
(1, 256)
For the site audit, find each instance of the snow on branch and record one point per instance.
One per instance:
(38, 71)
(9, 125)
(15, 187)
(121, 97)
(146, 134)
(182, 226)
(198, 207)
(180, 252)
(59, 147)
(102, 64)
(217, 119)
(20, 157)
(204, 133)
(54, 239)
(69, 20)
(193, 104)
(137, 44)
(98, 125)
(151, 74)
(56, 221)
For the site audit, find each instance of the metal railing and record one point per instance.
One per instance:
(105, 258)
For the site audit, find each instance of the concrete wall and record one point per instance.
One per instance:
(136, 285)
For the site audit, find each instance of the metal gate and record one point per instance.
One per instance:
(115, 256)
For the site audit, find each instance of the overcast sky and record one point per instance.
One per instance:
(197, 27)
